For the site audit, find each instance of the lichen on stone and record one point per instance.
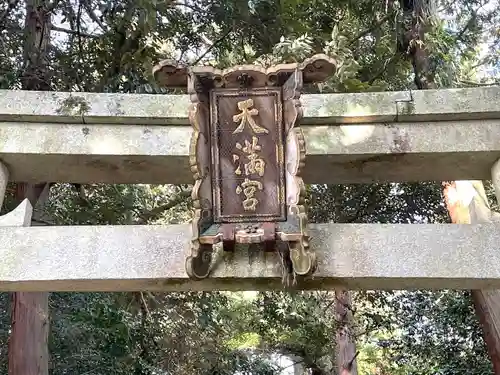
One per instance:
(405, 108)
(73, 106)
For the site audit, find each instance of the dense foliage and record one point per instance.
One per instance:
(111, 46)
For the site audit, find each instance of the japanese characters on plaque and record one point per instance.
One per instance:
(254, 165)
(249, 167)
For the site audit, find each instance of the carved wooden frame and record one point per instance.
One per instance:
(205, 83)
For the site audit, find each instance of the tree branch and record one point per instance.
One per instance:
(469, 22)
(308, 362)
(157, 211)
(348, 366)
(371, 29)
(73, 32)
(212, 46)
(387, 63)
(79, 36)
(466, 27)
(93, 16)
(484, 61)
(190, 6)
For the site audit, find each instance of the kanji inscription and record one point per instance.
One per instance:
(249, 135)
(255, 165)
(246, 117)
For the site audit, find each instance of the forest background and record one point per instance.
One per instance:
(112, 45)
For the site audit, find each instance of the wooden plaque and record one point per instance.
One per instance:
(247, 153)
(248, 161)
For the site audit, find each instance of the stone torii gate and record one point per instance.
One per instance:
(433, 135)
(123, 138)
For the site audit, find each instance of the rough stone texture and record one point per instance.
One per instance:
(58, 152)
(19, 217)
(91, 153)
(81, 107)
(449, 104)
(125, 138)
(320, 109)
(353, 256)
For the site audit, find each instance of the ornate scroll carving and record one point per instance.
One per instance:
(314, 69)
(294, 230)
(198, 263)
(247, 154)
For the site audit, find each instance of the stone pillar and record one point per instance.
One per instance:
(26, 356)
(21, 215)
(467, 204)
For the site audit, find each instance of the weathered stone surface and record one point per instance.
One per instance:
(353, 256)
(81, 107)
(428, 105)
(18, 217)
(36, 152)
(123, 138)
(91, 153)
(328, 109)
(451, 104)
(21, 215)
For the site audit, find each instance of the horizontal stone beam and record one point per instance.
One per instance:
(319, 109)
(349, 153)
(124, 138)
(354, 256)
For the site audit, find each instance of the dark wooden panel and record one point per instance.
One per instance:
(248, 173)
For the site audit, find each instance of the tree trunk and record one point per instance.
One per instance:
(416, 15)
(36, 46)
(346, 347)
(28, 343)
(28, 350)
(487, 306)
